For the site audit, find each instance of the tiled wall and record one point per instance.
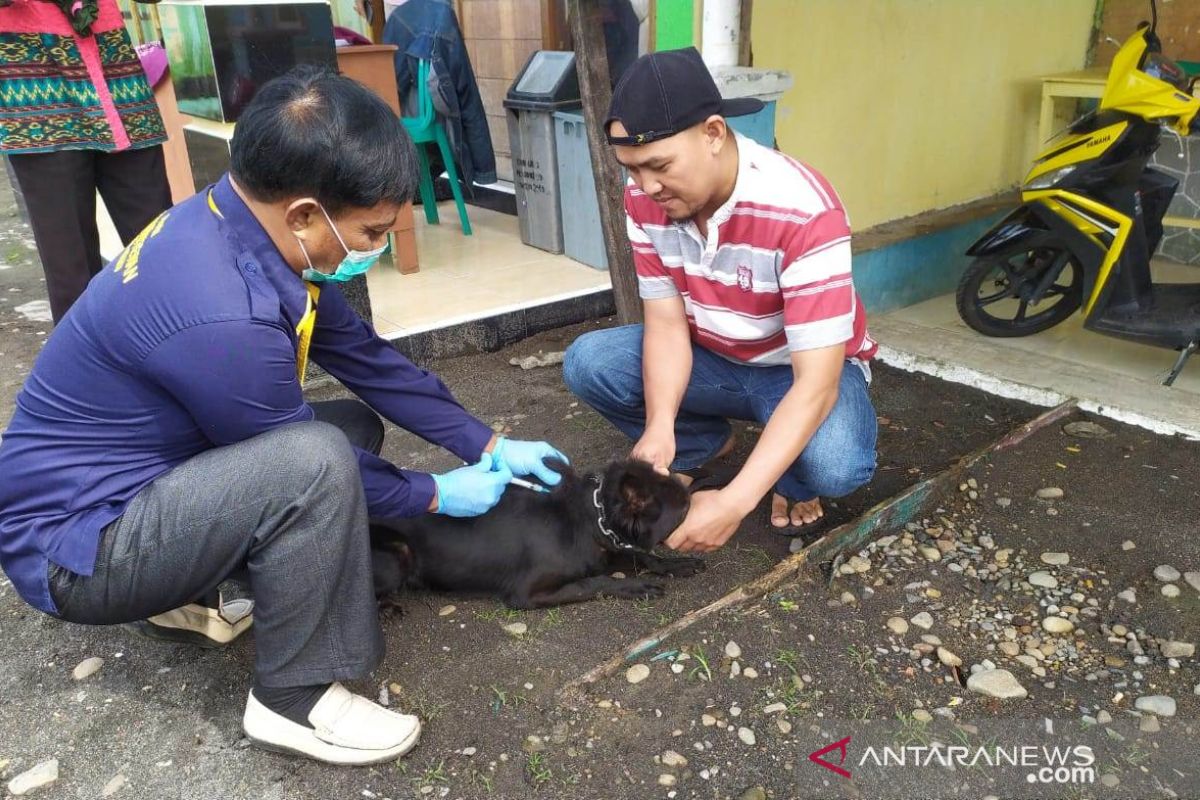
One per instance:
(1181, 244)
(500, 36)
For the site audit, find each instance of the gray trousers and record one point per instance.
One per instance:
(286, 509)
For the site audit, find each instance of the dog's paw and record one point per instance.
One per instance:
(683, 567)
(637, 589)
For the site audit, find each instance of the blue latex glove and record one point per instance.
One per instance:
(525, 458)
(470, 491)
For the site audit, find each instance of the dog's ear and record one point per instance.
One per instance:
(569, 477)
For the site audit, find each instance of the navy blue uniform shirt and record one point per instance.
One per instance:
(187, 341)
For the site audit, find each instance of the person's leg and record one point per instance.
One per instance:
(134, 187)
(840, 456)
(300, 531)
(301, 534)
(60, 193)
(604, 369)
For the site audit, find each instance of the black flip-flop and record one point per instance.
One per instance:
(791, 531)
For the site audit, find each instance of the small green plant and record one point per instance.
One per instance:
(702, 670)
(538, 769)
(482, 779)
(788, 605)
(502, 698)
(863, 660)
(498, 614)
(433, 775)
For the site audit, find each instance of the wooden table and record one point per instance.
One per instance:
(373, 65)
(1086, 83)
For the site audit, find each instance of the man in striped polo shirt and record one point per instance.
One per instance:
(743, 264)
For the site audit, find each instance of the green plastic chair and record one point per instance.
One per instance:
(425, 129)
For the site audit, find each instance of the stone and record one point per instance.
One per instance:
(673, 759)
(446, 611)
(1056, 559)
(859, 564)
(1043, 580)
(637, 673)
(1158, 704)
(1086, 430)
(1170, 590)
(848, 599)
(1193, 580)
(677, 668)
(1149, 724)
(784, 726)
(750, 672)
(775, 708)
(115, 785)
(948, 658)
(898, 625)
(1103, 717)
(1177, 649)
(1129, 595)
(924, 620)
(1166, 573)
(930, 639)
(708, 720)
(1109, 781)
(516, 629)
(33, 779)
(667, 779)
(931, 553)
(1128, 545)
(1049, 493)
(747, 736)
(998, 683)
(733, 650)
(1010, 649)
(921, 715)
(87, 668)
(754, 793)
(1057, 625)
(1004, 502)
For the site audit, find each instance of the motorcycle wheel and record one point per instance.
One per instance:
(994, 293)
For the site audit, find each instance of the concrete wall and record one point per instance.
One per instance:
(913, 105)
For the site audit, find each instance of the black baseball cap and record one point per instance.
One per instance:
(664, 93)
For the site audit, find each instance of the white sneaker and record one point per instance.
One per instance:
(347, 729)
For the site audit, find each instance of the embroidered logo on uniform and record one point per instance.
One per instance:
(745, 278)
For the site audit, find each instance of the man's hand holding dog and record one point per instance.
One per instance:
(656, 447)
(713, 518)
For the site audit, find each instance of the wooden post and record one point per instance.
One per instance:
(745, 53)
(595, 88)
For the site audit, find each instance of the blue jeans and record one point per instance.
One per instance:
(604, 369)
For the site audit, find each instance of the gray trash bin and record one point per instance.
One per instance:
(546, 84)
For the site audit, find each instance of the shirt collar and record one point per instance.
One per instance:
(257, 246)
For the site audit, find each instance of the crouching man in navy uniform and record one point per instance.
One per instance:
(161, 442)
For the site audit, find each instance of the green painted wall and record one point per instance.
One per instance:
(673, 24)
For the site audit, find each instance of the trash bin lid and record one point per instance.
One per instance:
(547, 82)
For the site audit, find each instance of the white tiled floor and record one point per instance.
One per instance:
(1070, 341)
(1066, 360)
(463, 278)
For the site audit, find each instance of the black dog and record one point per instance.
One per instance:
(535, 550)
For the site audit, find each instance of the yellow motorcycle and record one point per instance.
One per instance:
(1092, 218)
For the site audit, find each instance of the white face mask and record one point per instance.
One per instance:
(354, 264)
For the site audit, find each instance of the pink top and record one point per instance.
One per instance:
(39, 16)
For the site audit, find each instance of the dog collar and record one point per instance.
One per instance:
(609, 538)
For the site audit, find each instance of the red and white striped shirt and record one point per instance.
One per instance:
(774, 274)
